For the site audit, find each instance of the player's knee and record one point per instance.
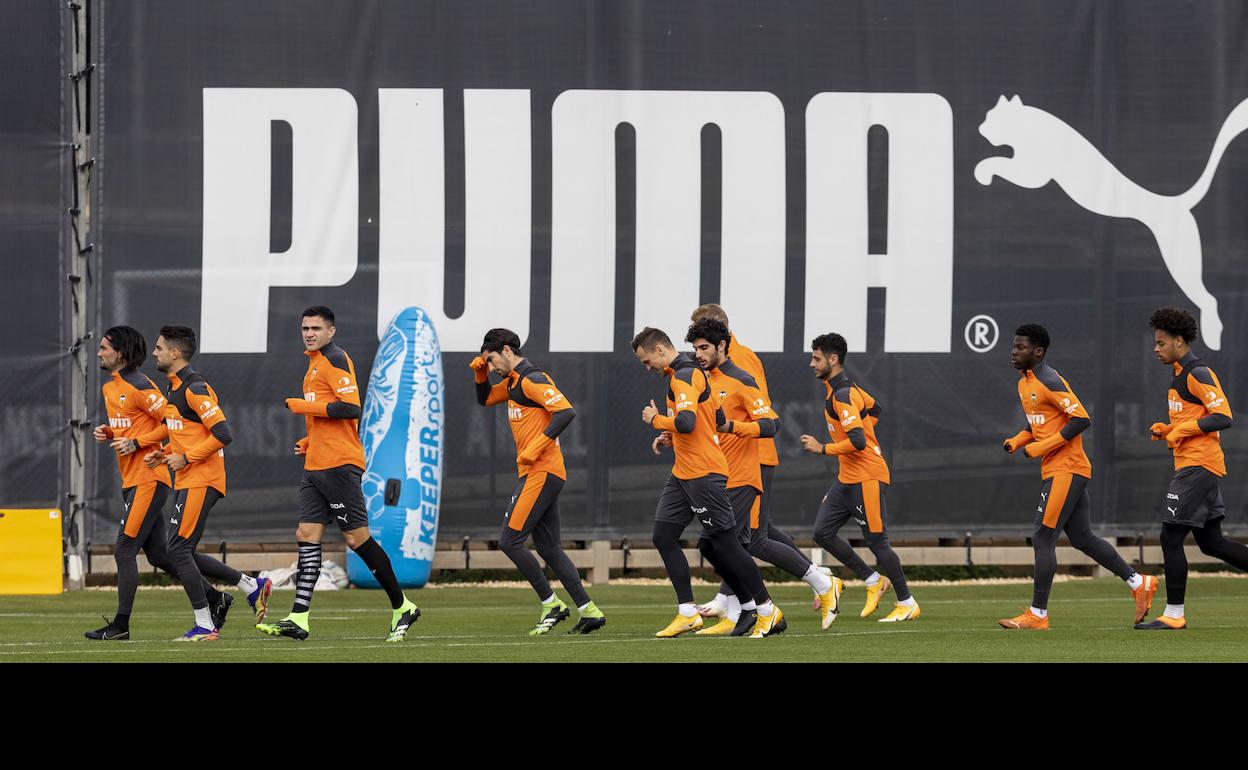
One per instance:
(706, 548)
(756, 546)
(1209, 547)
(1172, 537)
(509, 543)
(127, 548)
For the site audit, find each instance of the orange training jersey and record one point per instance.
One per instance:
(853, 434)
(747, 360)
(743, 403)
(1197, 395)
(191, 414)
(537, 412)
(331, 442)
(1049, 404)
(691, 419)
(135, 407)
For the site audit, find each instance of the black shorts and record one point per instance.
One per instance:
(535, 495)
(862, 502)
(746, 502)
(145, 509)
(333, 495)
(705, 499)
(1194, 498)
(1061, 497)
(190, 513)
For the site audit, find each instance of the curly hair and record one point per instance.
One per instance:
(711, 330)
(1176, 322)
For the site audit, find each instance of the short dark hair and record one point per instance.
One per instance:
(1176, 322)
(649, 337)
(130, 344)
(180, 337)
(322, 311)
(1036, 334)
(495, 339)
(831, 343)
(711, 330)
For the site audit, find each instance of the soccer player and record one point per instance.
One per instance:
(135, 406)
(862, 480)
(1055, 420)
(748, 419)
(197, 433)
(725, 603)
(538, 412)
(1198, 410)
(333, 466)
(697, 487)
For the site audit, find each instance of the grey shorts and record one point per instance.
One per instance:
(333, 495)
(1194, 498)
(705, 499)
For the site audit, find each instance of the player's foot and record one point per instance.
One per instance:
(591, 620)
(814, 603)
(293, 626)
(198, 634)
(1144, 597)
(220, 609)
(713, 609)
(259, 598)
(1028, 621)
(830, 602)
(724, 627)
(874, 593)
(1163, 623)
(552, 615)
(111, 632)
(402, 619)
(900, 613)
(680, 625)
(766, 625)
(745, 623)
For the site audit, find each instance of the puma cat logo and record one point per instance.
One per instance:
(1048, 150)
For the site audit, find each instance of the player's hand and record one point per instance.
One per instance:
(102, 433)
(724, 427)
(480, 369)
(124, 446)
(1010, 444)
(301, 446)
(529, 456)
(1173, 440)
(297, 405)
(812, 444)
(649, 413)
(153, 458)
(176, 462)
(660, 441)
(1031, 451)
(1159, 430)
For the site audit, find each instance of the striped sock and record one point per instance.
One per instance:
(309, 571)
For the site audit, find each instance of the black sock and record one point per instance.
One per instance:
(378, 563)
(122, 621)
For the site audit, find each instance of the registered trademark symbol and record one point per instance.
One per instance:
(981, 333)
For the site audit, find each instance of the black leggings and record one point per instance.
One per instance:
(1211, 542)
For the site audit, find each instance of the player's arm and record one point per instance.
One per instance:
(761, 421)
(1018, 440)
(1079, 421)
(1203, 384)
(848, 405)
(561, 415)
(487, 395)
(345, 404)
(201, 398)
(686, 416)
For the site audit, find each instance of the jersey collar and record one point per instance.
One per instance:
(1184, 361)
(681, 361)
(180, 377)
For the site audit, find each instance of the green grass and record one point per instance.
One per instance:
(1091, 622)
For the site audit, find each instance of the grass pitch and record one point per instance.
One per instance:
(1091, 622)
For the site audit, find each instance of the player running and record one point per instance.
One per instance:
(861, 482)
(537, 412)
(332, 469)
(1198, 410)
(725, 603)
(135, 406)
(749, 418)
(1055, 421)
(197, 432)
(697, 488)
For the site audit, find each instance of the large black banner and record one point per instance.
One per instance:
(922, 177)
(35, 174)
